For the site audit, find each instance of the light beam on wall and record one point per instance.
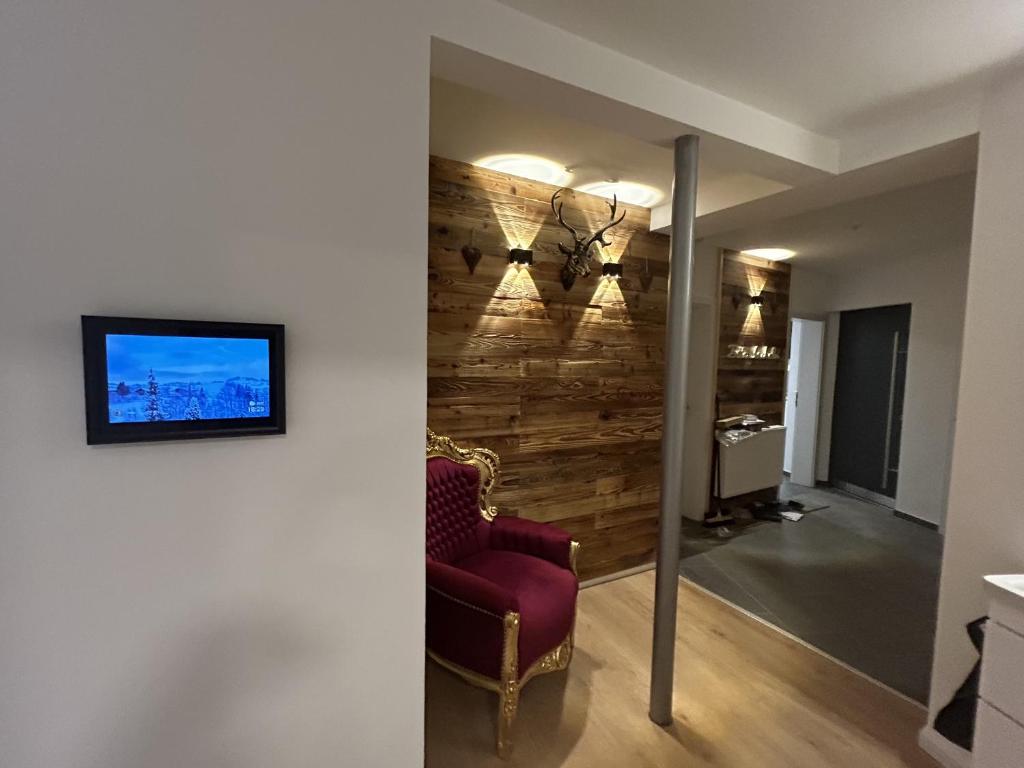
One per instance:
(618, 237)
(753, 324)
(755, 282)
(519, 226)
(608, 296)
(516, 286)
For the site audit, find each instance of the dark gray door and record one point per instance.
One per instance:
(868, 410)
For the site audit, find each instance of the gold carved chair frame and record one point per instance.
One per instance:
(555, 660)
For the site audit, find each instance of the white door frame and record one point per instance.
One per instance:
(808, 397)
(789, 412)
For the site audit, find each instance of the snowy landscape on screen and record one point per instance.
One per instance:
(186, 378)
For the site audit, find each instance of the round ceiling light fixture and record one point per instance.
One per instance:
(531, 167)
(771, 254)
(631, 192)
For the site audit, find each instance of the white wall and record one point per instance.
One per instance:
(985, 524)
(934, 283)
(237, 602)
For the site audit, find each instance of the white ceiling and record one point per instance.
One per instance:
(748, 197)
(467, 125)
(953, 158)
(886, 226)
(822, 64)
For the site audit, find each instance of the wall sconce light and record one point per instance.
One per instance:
(521, 257)
(757, 301)
(612, 270)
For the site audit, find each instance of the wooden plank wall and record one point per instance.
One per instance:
(753, 386)
(565, 386)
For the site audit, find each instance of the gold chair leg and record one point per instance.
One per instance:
(508, 695)
(508, 705)
(574, 551)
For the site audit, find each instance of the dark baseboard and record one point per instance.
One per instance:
(923, 523)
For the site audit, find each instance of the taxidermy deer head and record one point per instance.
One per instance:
(577, 258)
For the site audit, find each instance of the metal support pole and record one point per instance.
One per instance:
(684, 206)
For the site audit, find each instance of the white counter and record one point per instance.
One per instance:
(1006, 601)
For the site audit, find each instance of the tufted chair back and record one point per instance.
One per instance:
(455, 527)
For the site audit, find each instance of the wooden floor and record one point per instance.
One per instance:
(746, 695)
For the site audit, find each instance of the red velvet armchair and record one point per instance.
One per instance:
(501, 591)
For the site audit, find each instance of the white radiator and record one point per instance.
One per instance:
(753, 463)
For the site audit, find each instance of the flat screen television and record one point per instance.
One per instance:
(180, 379)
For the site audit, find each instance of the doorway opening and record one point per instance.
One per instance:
(875, 317)
(867, 416)
(803, 391)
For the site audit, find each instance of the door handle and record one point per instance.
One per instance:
(892, 404)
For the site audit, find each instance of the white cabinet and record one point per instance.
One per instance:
(753, 463)
(998, 740)
(999, 732)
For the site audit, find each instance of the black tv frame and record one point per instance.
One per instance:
(100, 431)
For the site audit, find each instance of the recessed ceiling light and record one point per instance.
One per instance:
(627, 191)
(772, 254)
(531, 167)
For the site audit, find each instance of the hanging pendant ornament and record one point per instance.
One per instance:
(471, 254)
(646, 278)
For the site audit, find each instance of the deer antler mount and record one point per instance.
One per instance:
(577, 257)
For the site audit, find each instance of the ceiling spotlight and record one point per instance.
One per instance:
(521, 257)
(771, 254)
(612, 270)
(630, 192)
(531, 167)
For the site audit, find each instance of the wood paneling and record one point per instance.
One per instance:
(753, 386)
(747, 696)
(565, 386)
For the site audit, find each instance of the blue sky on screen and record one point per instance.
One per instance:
(184, 358)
